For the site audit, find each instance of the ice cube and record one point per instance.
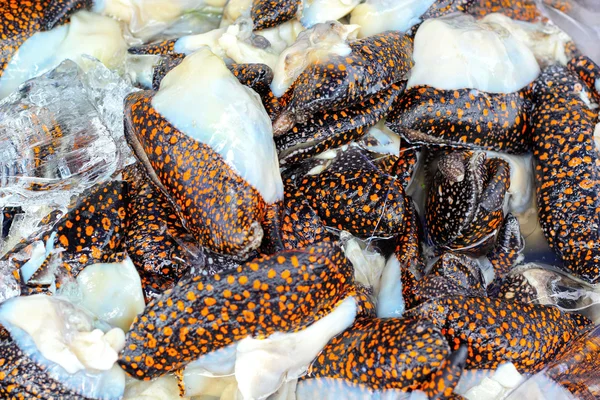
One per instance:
(61, 133)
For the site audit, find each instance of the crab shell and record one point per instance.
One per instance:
(373, 64)
(466, 118)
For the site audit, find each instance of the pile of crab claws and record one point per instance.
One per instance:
(465, 201)
(203, 313)
(473, 119)
(226, 220)
(375, 63)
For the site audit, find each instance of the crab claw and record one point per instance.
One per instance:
(92, 231)
(353, 195)
(206, 141)
(207, 313)
(464, 203)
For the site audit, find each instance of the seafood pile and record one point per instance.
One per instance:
(299, 199)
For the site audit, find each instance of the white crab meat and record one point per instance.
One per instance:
(68, 343)
(282, 36)
(376, 16)
(457, 52)
(112, 291)
(313, 45)
(87, 34)
(203, 99)
(235, 9)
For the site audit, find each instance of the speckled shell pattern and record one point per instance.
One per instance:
(464, 118)
(353, 195)
(217, 206)
(331, 129)
(24, 18)
(464, 203)
(522, 10)
(285, 292)
(375, 63)
(391, 353)
(499, 331)
(90, 232)
(270, 13)
(156, 238)
(567, 171)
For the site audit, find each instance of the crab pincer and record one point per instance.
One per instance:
(268, 13)
(464, 118)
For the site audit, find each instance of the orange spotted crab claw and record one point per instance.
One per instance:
(331, 129)
(577, 368)
(374, 64)
(285, 292)
(19, 20)
(206, 141)
(378, 355)
(567, 175)
(498, 331)
(464, 203)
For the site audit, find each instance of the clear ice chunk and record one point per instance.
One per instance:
(61, 133)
